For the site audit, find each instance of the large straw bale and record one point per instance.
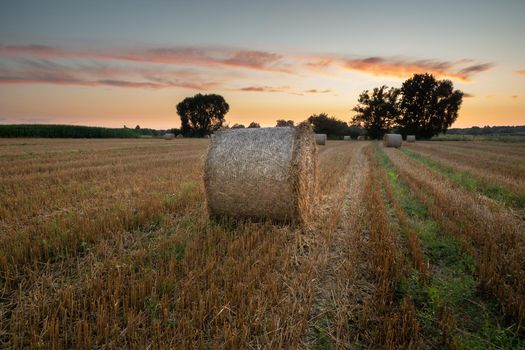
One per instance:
(411, 138)
(180, 136)
(320, 139)
(361, 138)
(262, 173)
(392, 140)
(169, 136)
(347, 138)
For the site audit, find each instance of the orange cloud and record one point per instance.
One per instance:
(158, 68)
(264, 89)
(405, 68)
(522, 72)
(315, 91)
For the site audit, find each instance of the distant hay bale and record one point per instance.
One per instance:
(206, 136)
(392, 140)
(320, 139)
(180, 136)
(262, 173)
(347, 138)
(361, 138)
(169, 136)
(411, 138)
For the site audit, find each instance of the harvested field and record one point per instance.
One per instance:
(108, 244)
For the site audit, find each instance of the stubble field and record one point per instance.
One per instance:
(107, 244)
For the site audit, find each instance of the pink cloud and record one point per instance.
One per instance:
(315, 91)
(249, 59)
(264, 89)
(405, 68)
(153, 68)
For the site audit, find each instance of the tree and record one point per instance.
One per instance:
(355, 131)
(137, 127)
(254, 125)
(237, 126)
(282, 123)
(332, 127)
(428, 106)
(377, 111)
(202, 114)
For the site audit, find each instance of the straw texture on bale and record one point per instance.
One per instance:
(347, 138)
(169, 136)
(392, 140)
(411, 138)
(262, 173)
(361, 138)
(320, 139)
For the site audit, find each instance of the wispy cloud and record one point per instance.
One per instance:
(315, 91)
(43, 71)
(467, 95)
(201, 68)
(404, 68)
(202, 56)
(522, 72)
(265, 89)
(284, 89)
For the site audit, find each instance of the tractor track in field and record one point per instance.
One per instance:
(331, 306)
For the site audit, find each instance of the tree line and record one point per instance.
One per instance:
(65, 131)
(423, 106)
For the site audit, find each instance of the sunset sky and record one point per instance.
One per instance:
(115, 63)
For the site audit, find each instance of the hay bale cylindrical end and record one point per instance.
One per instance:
(320, 139)
(392, 140)
(262, 173)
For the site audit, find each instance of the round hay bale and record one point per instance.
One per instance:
(320, 139)
(206, 136)
(411, 138)
(180, 136)
(347, 138)
(392, 140)
(262, 173)
(169, 136)
(361, 138)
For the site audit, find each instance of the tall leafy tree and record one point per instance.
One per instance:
(282, 123)
(254, 125)
(377, 110)
(332, 127)
(202, 114)
(428, 106)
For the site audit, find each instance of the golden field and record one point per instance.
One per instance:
(108, 244)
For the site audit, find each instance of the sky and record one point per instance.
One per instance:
(115, 63)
